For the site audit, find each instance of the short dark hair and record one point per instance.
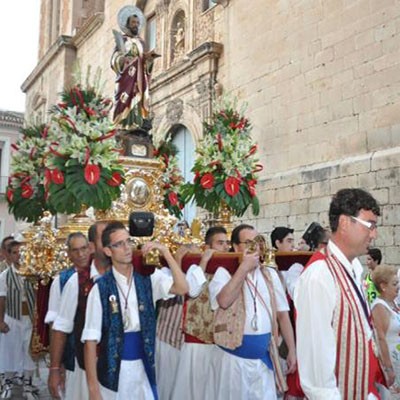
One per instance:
(376, 255)
(12, 244)
(235, 239)
(214, 230)
(92, 231)
(74, 235)
(129, 18)
(111, 227)
(279, 233)
(350, 202)
(5, 240)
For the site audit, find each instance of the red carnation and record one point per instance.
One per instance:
(92, 174)
(252, 187)
(207, 181)
(173, 198)
(57, 176)
(10, 195)
(232, 185)
(115, 179)
(27, 191)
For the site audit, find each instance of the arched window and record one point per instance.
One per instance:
(183, 140)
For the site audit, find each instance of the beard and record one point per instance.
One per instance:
(134, 31)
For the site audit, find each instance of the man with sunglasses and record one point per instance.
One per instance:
(334, 334)
(120, 316)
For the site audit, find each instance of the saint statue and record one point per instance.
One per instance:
(132, 66)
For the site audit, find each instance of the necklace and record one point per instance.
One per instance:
(125, 315)
(254, 320)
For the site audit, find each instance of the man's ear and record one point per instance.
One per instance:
(107, 251)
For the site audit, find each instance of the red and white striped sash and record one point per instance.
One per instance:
(351, 327)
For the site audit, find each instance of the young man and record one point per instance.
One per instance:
(120, 316)
(282, 238)
(6, 262)
(249, 306)
(63, 342)
(334, 333)
(374, 258)
(197, 375)
(17, 304)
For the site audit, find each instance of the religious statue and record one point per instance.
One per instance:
(179, 39)
(132, 65)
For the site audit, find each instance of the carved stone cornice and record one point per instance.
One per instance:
(206, 51)
(11, 119)
(88, 28)
(162, 6)
(63, 42)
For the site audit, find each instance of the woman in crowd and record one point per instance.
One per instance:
(386, 316)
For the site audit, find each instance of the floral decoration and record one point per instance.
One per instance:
(26, 194)
(82, 167)
(171, 178)
(226, 166)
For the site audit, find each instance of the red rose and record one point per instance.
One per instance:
(115, 179)
(207, 181)
(92, 174)
(27, 191)
(173, 198)
(10, 195)
(57, 176)
(232, 186)
(252, 187)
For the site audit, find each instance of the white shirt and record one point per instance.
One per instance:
(54, 301)
(161, 283)
(68, 303)
(222, 277)
(196, 280)
(315, 301)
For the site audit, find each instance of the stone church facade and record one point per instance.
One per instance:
(321, 80)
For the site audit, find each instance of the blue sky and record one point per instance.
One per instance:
(19, 38)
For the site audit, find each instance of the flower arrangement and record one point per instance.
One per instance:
(171, 179)
(26, 194)
(226, 165)
(82, 167)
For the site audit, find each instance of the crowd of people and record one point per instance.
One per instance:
(219, 326)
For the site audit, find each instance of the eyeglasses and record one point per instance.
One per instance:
(368, 224)
(122, 243)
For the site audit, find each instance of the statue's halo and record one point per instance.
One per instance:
(125, 12)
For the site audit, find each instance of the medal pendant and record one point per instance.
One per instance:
(254, 323)
(126, 320)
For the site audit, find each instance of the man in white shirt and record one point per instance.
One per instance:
(246, 370)
(17, 304)
(120, 316)
(62, 344)
(334, 335)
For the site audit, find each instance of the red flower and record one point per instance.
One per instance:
(90, 112)
(92, 174)
(47, 176)
(207, 181)
(27, 191)
(252, 187)
(115, 179)
(232, 186)
(57, 176)
(196, 176)
(173, 198)
(181, 206)
(10, 195)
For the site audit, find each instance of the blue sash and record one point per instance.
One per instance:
(134, 350)
(133, 346)
(254, 347)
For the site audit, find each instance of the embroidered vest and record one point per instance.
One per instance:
(85, 285)
(199, 317)
(111, 345)
(15, 288)
(229, 323)
(349, 324)
(68, 358)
